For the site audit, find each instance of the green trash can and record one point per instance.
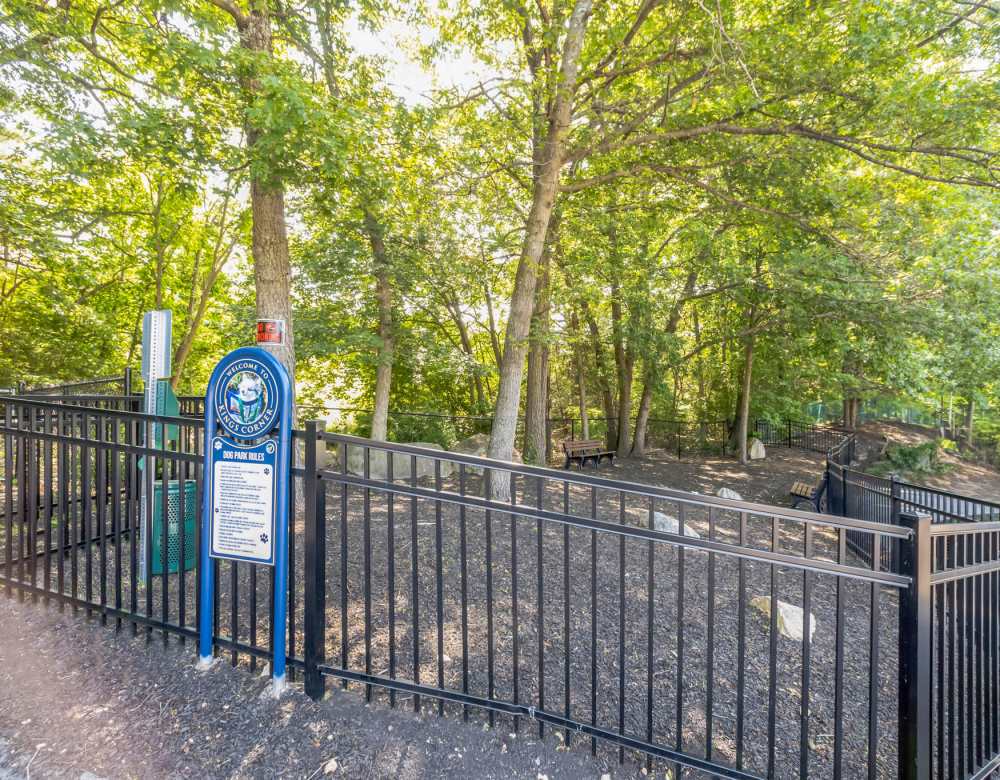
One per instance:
(174, 512)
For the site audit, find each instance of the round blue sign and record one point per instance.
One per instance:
(246, 398)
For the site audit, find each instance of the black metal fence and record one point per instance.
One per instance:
(714, 637)
(834, 442)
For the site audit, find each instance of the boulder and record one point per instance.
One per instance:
(757, 451)
(478, 445)
(790, 617)
(724, 492)
(669, 524)
(401, 462)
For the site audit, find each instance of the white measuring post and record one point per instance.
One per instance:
(156, 338)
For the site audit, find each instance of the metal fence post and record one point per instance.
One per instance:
(789, 432)
(915, 639)
(894, 502)
(315, 562)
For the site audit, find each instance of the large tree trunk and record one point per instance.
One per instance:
(386, 341)
(536, 400)
(743, 422)
(543, 200)
(272, 268)
(642, 417)
(852, 410)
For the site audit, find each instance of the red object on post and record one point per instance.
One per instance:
(270, 331)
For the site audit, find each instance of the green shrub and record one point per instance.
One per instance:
(911, 460)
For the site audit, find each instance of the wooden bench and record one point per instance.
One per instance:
(583, 450)
(804, 492)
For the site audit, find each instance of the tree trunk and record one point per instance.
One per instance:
(272, 268)
(386, 341)
(479, 394)
(970, 410)
(743, 422)
(536, 400)
(607, 399)
(581, 383)
(544, 191)
(624, 365)
(642, 417)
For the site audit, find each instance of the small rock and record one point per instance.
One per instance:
(790, 617)
(330, 766)
(724, 492)
(757, 451)
(671, 525)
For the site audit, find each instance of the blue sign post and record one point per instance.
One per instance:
(248, 446)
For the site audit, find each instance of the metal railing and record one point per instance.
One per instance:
(654, 623)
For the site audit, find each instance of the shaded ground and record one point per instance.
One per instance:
(961, 475)
(78, 698)
(605, 604)
(767, 481)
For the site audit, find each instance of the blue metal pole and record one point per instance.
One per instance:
(281, 529)
(205, 569)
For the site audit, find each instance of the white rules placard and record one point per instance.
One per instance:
(243, 482)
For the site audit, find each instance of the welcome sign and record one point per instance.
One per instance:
(248, 411)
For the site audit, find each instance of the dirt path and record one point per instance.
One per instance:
(84, 702)
(767, 481)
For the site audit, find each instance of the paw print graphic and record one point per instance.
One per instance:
(263, 538)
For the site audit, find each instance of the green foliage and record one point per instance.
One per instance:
(818, 180)
(911, 461)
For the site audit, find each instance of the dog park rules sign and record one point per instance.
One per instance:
(245, 507)
(243, 501)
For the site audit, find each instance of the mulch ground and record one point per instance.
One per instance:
(607, 681)
(82, 701)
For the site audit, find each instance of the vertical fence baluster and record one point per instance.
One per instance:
(838, 663)
(464, 585)
(516, 658)
(679, 726)
(741, 590)
(490, 641)
(567, 738)
(773, 652)
(367, 542)
(593, 619)
(344, 656)
(116, 515)
(391, 572)
(415, 582)
(314, 516)
(439, 576)
(650, 642)
(46, 446)
(540, 484)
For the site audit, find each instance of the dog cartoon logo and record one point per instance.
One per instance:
(246, 397)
